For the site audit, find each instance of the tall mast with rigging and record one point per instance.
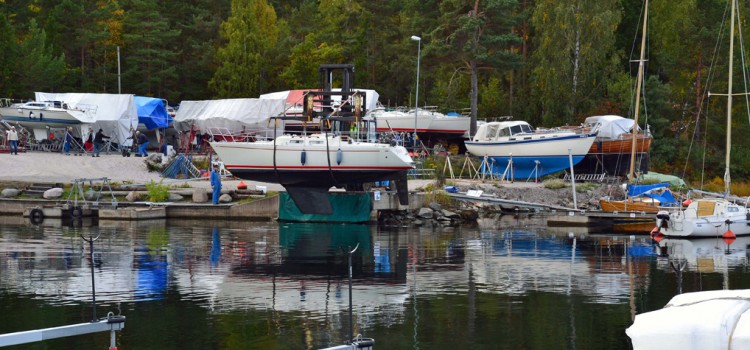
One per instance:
(639, 81)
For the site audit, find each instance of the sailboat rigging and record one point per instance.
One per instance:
(708, 217)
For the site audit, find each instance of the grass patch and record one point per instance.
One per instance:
(555, 184)
(586, 186)
(157, 192)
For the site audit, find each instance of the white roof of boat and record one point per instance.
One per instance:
(232, 114)
(611, 126)
(114, 113)
(505, 124)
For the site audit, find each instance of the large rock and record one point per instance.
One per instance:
(225, 198)
(132, 196)
(9, 193)
(174, 197)
(200, 195)
(449, 214)
(425, 213)
(56, 192)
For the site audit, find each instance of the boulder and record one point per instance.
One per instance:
(56, 192)
(449, 214)
(425, 213)
(9, 193)
(435, 206)
(225, 198)
(200, 195)
(174, 197)
(132, 196)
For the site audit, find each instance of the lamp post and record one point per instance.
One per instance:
(416, 97)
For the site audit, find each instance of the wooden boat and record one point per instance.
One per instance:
(640, 198)
(614, 136)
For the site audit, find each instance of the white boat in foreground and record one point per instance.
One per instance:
(308, 166)
(702, 320)
(533, 153)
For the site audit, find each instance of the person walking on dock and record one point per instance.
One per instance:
(68, 140)
(13, 139)
(216, 183)
(98, 142)
(142, 143)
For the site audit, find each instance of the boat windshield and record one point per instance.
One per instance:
(521, 129)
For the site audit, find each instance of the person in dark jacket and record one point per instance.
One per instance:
(98, 142)
(68, 141)
(142, 143)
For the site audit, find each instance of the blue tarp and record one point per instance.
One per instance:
(637, 190)
(665, 199)
(151, 112)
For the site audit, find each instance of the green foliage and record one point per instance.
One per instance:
(586, 186)
(157, 192)
(555, 184)
(252, 32)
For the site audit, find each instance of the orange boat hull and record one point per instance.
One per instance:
(623, 145)
(627, 206)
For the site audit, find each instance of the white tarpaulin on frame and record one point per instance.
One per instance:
(236, 115)
(115, 114)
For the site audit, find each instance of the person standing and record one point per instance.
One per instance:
(98, 142)
(89, 144)
(13, 138)
(216, 183)
(68, 140)
(142, 143)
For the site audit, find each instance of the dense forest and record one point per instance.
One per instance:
(549, 62)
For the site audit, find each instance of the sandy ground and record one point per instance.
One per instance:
(45, 167)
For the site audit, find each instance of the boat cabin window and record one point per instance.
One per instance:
(295, 141)
(733, 209)
(37, 105)
(504, 132)
(316, 142)
(491, 131)
(520, 129)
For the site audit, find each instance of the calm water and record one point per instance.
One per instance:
(508, 284)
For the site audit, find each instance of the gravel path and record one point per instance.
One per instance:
(45, 167)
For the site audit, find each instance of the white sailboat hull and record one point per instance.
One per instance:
(36, 118)
(705, 218)
(425, 122)
(313, 162)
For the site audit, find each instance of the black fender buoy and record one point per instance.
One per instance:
(36, 216)
(303, 157)
(76, 212)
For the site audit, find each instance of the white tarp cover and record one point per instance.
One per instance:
(116, 114)
(610, 126)
(293, 97)
(233, 114)
(702, 320)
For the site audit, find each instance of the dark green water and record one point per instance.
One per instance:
(508, 284)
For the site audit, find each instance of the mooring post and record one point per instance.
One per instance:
(351, 316)
(91, 240)
(572, 178)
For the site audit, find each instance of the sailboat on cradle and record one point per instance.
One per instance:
(711, 217)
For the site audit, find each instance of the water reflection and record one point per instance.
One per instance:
(442, 288)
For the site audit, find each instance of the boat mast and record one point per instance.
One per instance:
(727, 176)
(638, 83)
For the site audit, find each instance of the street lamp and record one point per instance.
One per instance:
(416, 97)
